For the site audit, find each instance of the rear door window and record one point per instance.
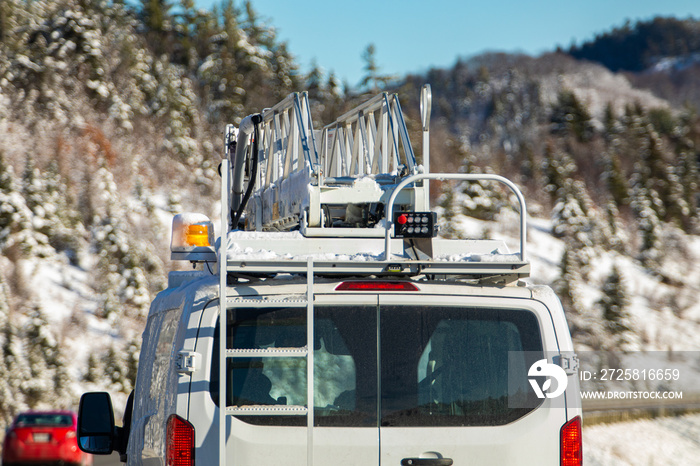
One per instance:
(438, 365)
(450, 366)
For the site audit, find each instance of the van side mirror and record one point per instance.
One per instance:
(96, 431)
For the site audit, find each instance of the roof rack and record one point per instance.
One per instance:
(268, 253)
(363, 144)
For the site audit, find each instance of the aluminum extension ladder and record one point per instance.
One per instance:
(295, 172)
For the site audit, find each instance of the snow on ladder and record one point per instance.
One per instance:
(341, 191)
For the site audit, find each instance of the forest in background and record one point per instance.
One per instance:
(111, 119)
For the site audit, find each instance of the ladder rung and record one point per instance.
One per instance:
(267, 352)
(259, 303)
(266, 410)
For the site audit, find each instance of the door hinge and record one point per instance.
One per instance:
(567, 361)
(186, 362)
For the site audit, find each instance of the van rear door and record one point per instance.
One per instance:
(345, 384)
(454, 385)
(397, 378)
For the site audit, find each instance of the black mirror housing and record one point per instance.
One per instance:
(96, 431)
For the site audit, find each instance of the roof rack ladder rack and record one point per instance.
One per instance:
(299, 185)
(304, 352)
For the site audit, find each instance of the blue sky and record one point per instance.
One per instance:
(412, 36)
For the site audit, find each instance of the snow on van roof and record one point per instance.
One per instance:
(268, 246)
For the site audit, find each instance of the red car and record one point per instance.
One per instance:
(43, 437)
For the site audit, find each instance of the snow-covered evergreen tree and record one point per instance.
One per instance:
(558, 168)
(648, 223)
(10, 395)
(615, 178)
(93, 369)
(47, 373)
(614, 306)
(132, 361)
(122, 263)
(584, 325)
(18, 237)
(116, 371)
(34, 190)
(571, 116)
(565, 287)
(62, 223)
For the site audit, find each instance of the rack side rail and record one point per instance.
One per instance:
(458, 177)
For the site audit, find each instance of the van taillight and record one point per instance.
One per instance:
(179, 450)
(371, 285)
(571, 443)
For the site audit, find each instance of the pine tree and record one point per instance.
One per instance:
(158, 21)
(615, 178)
(62, 222)
(614, 304)
(646, 202)
(122, 263)
(565, 286)
(221, 72)
(617, 239)
(132, 361)
(17, 239)
(689, 183)
(373, 80)
(314, 82)
(10, 396)
(93, 371)
(447, 202)
(34, 191)
(570, 116)
(648, 224)
(558, 168)
(47, 376)
(116, 371)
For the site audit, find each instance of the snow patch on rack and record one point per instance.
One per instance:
(261, 246)
(238, 251)
(495, 256)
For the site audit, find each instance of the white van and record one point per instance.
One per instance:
(434, 354)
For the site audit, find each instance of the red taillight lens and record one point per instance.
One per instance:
(179, 449)
(571, 443)
(369, 285)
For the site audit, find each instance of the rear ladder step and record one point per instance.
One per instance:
(267, 352)
(266, 410)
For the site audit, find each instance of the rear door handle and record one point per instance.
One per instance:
(426, 462)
